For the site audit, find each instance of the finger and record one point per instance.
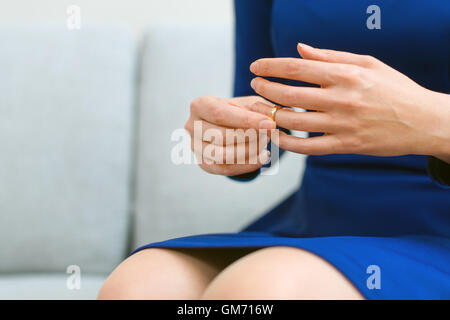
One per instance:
(298, 97)
(310, 53)
(299, 121)
(224, 136)
(220, 112)
(320, 145)
(209, 132)
(317, 72)
(242, 153)
(245, 101)
(234, 170)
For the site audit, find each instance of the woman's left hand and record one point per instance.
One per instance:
(363, 106)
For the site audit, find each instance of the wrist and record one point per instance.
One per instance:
(441, 145)
(444, 152)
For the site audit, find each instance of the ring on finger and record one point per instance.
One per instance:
(273, 112)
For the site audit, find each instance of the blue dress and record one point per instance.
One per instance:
(357, 212)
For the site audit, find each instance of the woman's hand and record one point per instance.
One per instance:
(363, 106)
(219, 146)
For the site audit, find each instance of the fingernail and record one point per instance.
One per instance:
(264, 157)
(267, 124)
(254, 67)
(302, 45)
(252, 83)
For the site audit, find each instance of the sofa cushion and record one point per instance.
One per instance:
(66, 116)
(49, 287)
(180, 63)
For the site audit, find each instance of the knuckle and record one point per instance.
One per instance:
(352, 143)
(296, 122)
(218, 114)
(325, 52)
(353, 126)
(289, 95)
(198, 103)
(357, 72)
(259, 99)
(356, 106)
(188, 126)
(340, 73)
(195, 105)
(329, 55)
(246, 120)
(263, 108)
(352, 100)
(370, 60)
(352, 74)
(292, 67)
(255, 107)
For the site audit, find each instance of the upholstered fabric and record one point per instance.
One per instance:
(48, 286)
(66, 117)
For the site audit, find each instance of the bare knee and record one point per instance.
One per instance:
(281, 273)
(158, 274)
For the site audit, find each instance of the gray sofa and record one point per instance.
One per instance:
(86, 119)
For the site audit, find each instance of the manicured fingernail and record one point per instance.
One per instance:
(267, 124)
(252, 83)
(302, 45)
(254, 67)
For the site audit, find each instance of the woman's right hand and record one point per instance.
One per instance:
(219, 145)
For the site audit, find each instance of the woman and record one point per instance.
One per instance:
(372, 217)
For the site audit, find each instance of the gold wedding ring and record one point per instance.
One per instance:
(274, 111)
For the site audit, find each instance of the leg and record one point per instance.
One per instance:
(159, 273)
(281, 273)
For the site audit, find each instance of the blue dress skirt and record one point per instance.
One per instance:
(384, 222)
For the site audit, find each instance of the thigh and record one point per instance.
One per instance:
(160, 273)
(281, 273)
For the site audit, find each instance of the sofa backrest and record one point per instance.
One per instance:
(180, 63)
(66, 136)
